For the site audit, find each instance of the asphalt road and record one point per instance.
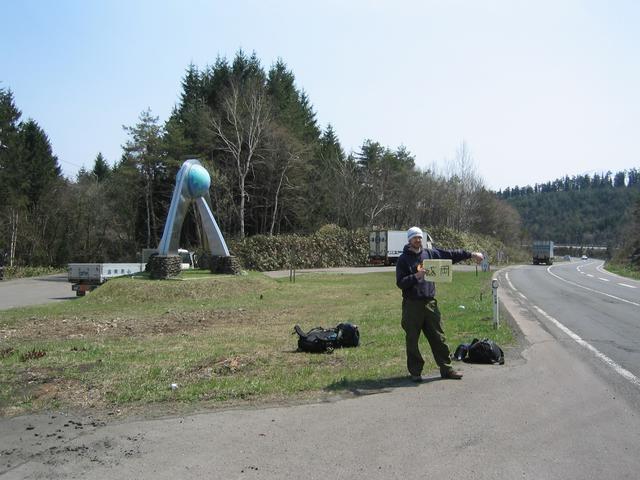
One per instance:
(555, 410)
(34, 291)
(596, 310)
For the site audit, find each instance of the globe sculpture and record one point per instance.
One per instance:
(192, 185)
(198, 181)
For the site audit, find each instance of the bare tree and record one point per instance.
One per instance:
(349, 191)
(464, 182)
(240, 126)
(14, 236)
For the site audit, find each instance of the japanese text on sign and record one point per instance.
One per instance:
(438, 270)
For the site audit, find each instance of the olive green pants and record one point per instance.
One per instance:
(424, 316)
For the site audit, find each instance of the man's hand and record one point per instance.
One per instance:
(420, 272)
(477, 256)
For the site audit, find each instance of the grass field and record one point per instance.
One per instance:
(224, 340)
(624, 270)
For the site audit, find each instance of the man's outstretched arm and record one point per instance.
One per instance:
(458, 255)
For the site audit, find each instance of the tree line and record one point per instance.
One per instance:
(623, 179)
(579, 210)
(274, 170)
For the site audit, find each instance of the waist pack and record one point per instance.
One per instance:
(320, 339)
(480, 351)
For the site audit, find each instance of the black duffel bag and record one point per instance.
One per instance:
(480, 351)
(320, 339)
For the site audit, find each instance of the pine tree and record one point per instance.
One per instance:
(9, 144)
(101, 168)
(10, 198)
(191, 93)
(38, 166)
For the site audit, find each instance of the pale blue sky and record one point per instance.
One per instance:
(537, 89)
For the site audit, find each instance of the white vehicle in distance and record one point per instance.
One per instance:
(584, 257)
(385, 246)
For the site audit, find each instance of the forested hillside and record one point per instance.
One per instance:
(579, 210)
(274, 170)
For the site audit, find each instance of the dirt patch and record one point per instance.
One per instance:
(169, 322)
(44, 386)
(69, 392)
(224, 366)
(6, 352)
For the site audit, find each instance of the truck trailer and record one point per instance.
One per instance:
(542, 252)
(385, 246)
(86, 277)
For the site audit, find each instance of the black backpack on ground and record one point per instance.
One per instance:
(348, 335)
(480, 351)
(320, 339)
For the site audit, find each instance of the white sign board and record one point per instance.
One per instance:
(438, 270)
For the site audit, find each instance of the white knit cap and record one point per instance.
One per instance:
(414, 232)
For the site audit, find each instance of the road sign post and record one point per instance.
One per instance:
(496, 312)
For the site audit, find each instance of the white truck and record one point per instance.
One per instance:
(86, 277)
(89, 276)
(385, 246)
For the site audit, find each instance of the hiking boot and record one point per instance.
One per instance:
(451, 374)
(416, 378)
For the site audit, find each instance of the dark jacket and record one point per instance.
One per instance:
(407, 267)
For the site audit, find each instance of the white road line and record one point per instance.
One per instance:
(522, 295)
(506, 275)
(589, 275)
(603, 279)
(625, 285)
(626, 374)
(582, 273)
(591, 289)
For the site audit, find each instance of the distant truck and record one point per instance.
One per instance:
(385, 246)
(542, 251)
(86, 277)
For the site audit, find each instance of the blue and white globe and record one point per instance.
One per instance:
(198, 181)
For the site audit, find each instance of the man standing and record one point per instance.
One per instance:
(419, 306)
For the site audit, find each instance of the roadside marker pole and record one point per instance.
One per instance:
(496, 313)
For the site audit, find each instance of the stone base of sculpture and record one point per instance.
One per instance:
(161, 267)
(228, 265)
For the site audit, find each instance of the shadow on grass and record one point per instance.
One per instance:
(369, 387)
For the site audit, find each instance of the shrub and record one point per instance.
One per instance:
(23, 272)
(330, 246)
(333, 246)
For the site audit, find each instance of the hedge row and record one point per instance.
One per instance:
(24, 272)
(332, 246)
